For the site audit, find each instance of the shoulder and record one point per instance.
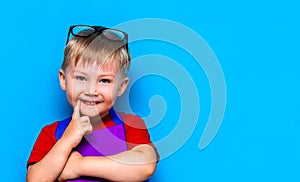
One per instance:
(50, 127)
(48, 132)
(132, 120)
(55, 129)
(136, 130)
(43, 143)
(130, 116)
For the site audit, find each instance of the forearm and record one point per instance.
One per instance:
(137, 164)
(50, 167)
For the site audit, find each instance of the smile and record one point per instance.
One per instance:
(90, 103)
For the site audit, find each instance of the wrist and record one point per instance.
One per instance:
(80, 166)
(83, 166)
(65, 143)
(89, 166)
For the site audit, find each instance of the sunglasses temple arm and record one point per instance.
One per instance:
(68, 36)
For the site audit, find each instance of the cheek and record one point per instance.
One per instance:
(116, 89)
(110, 92)
(73, 90)
(70, 95)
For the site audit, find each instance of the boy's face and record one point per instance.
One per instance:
(95, 87)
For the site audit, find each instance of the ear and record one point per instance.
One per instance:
(123, 86)
(62, 79)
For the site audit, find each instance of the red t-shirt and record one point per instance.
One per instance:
(135, 133)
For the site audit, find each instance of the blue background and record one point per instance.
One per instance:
(257, 45)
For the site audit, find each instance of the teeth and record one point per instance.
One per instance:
(91, 103)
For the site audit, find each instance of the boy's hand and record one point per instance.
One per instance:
(78, 127)
(72, 167)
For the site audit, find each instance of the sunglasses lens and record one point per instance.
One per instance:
(114, 35)
(83, 31)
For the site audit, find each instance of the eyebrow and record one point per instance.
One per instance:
(99, 75)
(77, 71)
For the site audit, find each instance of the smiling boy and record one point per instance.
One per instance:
(93, 75)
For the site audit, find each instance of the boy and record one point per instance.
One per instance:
(93, 75)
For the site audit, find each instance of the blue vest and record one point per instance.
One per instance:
(62, 125)
(116, 118)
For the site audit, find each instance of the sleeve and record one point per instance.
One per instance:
(136, 131)
(43, 144)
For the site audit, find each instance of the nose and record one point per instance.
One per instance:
(91, 89)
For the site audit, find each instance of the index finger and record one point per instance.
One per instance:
(76, 112)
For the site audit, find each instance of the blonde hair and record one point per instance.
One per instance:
(97, 47)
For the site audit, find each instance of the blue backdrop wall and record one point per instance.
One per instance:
(256, 48)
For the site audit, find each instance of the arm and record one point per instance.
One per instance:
(50, 167)
(137, 164)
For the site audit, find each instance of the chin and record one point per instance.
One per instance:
(89, 114)
(94, 111)
(93, 114)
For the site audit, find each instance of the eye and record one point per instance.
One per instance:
(80, 78)
(105, 81)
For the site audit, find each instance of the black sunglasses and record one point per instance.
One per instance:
(86, 31)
